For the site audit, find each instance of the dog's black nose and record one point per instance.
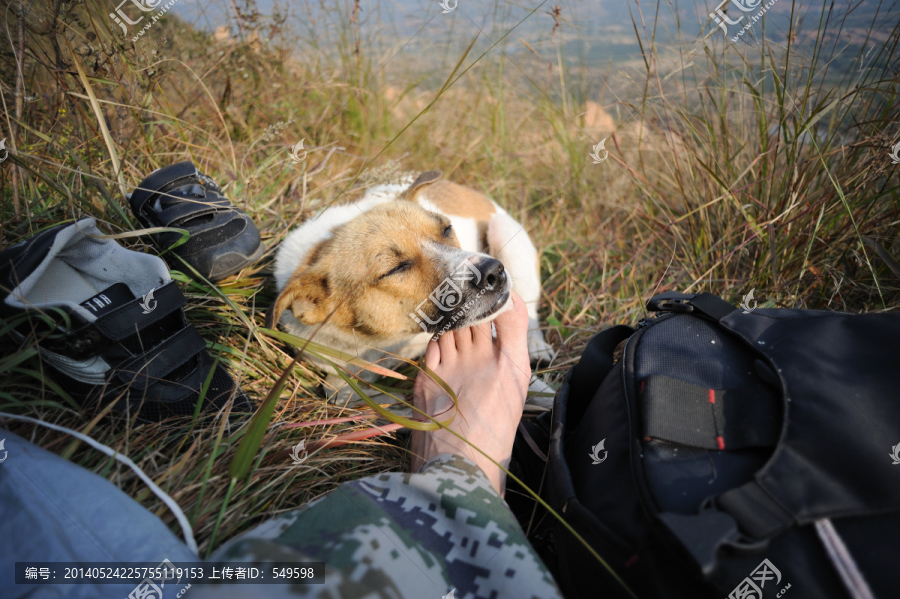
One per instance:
(493, 275)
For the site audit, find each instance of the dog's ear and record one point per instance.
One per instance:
(308, 296)
(426, 178)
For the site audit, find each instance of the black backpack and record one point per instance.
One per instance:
(740, 453)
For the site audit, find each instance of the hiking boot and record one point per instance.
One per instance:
(223, 239)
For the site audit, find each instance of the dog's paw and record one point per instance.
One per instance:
(538, 349)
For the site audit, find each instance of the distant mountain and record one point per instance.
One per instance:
(591, 32)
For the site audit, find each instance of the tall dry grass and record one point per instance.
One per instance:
(730, 168)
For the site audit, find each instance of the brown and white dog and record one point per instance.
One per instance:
(405, 263)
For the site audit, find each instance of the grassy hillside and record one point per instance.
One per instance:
(731, 167)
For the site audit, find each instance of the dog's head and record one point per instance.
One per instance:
(392, 271)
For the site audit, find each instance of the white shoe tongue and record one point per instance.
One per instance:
(109, 299)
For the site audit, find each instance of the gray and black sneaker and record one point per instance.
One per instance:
(109, 322)
(223, 239)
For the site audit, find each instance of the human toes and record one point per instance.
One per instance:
(433, 355)
(512, 329)
(464, 340)
(482, 337)
(425, 386)
(449, 349)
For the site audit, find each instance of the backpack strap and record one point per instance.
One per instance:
(718, 419)
(596, 362)
(579, 387)
(712, 306)
(707, 304)
(757, 514)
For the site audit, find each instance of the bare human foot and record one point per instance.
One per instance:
(490, 378)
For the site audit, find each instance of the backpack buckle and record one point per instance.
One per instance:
(671, 301)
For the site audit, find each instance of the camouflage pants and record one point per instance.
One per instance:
(415, 536)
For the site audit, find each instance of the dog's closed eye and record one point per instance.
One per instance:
(448, 230)
(402, 267)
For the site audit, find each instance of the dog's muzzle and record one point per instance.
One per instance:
(477, 287)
